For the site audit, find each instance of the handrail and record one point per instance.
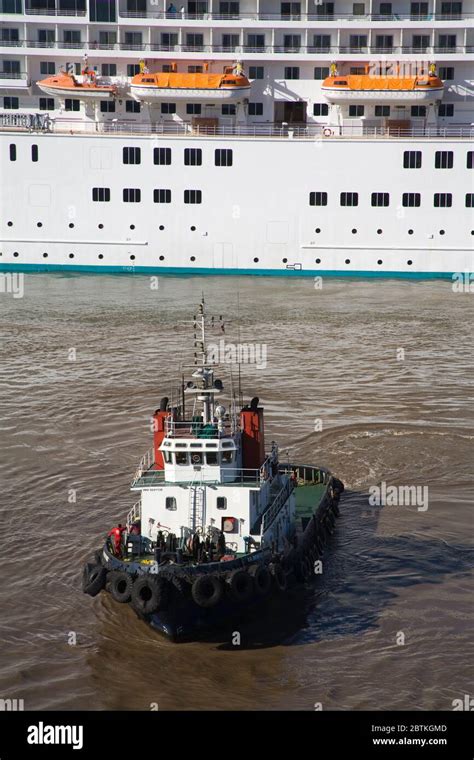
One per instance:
(271, 513)
(254, 16)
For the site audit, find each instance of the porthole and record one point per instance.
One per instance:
(192, 258)
(284, 260)
(379, 232)
(441, 232)
(318, 230)
(161, 227)
(193, 229)
(132, 226)
(472, 232)
(162, 258)
(100, 256)
(71, 225)
(379, 262)
(16, 254)
(318, 261)
(255, 260)
(132, 257)
(348, 261)
(39, 224)
(410, 232)
(71, 255)
(409, 262)
(100, 226)
(354, 231)
(45, 255)
(10, 224)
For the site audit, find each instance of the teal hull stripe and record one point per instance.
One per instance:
(103, 269)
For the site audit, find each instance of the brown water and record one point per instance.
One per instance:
(332, 355)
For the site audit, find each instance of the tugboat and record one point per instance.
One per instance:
(222, 526)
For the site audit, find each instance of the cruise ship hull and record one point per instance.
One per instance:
(254, 216)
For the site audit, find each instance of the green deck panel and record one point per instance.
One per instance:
(308, 498)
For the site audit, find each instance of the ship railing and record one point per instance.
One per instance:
(146, 462)
(135, 514)
(25, 121)
(306, 474)
(254, 16)
(280, 500)
(196, 429)
(55, 12)
(230, 477)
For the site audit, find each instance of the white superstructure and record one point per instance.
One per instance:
(288, 179)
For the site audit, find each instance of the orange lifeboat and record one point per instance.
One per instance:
(65, 85)
(376, 88)
(232, 84)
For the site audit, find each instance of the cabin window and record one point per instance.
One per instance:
(12, 152)
(443, 200)
(221, 502)
(194, 69)
(192, 196)
(292, 72)
(132, 106)
(34, 153)
(320, 109)
(132, 195)
(101, 194)
(380, 199)
(321, 72)
(444, 159)
(11, 103)
(168, 108)
(212, 458)
(223, 157)
(181, 457)
(46, 104)
(382, 110)
(227, 457)
(318, 198)
(162, 156)
(109, 70)
(356, 110)
(47, 68)
(256, 72)
(133, 69)
(446, 109)
(196, 457)
(418, 111)
(470, 159)
(412, 159)
(228, 109)
(341, 82)
(72, 104)
(469, 200)
(446, 73)
(411, 200)
(161, 196)
(255, 109)
(193, 109)
(349, 199)
(170, 503)
(107, 106)
(167, 457)
(132, 156)
(192, 156)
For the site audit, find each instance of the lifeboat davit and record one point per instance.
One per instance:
(68, 86)
(182, 86)
(369, 88)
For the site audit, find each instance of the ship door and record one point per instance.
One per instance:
(224, 257)
(293, 112)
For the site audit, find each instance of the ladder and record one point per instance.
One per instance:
(196, 506)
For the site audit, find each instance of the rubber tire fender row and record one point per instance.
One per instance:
(120, 586)
(278, 576)
(149, 594)
(93, 578)
(207, 591)
(262, 580)
(240, 585)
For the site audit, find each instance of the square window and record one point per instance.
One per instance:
(470, 159)
(132, 106)
(349, 199)
(131, 195)
(170, 501)
(193, 109)
(46, 104)
(162, 156)
(356, 110)
(380, 199)
(223, 157)
(320, 109)
(446, 109)
(228, 109)
(101, 194)
(109, 69)
(418, 111)
(412, 159)
(411, 200)
(162, 196)
(71, 104)
(107, 106)
(321, 72)
(444, 159)
(47, 68)
(443, 200)
(11, 103)
(446, 73)
(255, 109)
(131, 156)
(382, 110)
(292, 72)
(192, 157)
(221, 502)
(256, 72)
(469, 200)
(133, 69)
(318, 198)
(193, 196)
(168, 108)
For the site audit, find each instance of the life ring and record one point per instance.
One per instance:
(279, 577)
(327, 132)
(120, 585)
(261, 578)
(240, 585)
(93, 578)
(149, 595)
(207, 590)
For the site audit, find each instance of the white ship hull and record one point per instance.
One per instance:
(151, 94)
(255, 216)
